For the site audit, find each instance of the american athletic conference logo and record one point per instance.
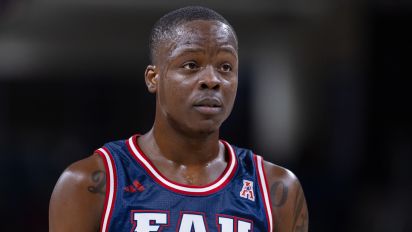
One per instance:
(247, 190)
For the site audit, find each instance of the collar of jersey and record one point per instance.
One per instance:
(213, 187)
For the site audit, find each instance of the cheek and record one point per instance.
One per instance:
(231, 88)
(175, 89)
(234, 84)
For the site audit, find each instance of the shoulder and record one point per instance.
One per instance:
(282, 184)
(77, 200)
(82, 172)
(287, 199)
(276, 173)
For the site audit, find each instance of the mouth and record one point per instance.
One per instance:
(208, 105)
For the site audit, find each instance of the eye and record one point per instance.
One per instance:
(191, 65)
(226, 67)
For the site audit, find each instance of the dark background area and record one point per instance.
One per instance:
(323, 91)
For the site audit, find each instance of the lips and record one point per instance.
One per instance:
(208, 106)
(209, 102)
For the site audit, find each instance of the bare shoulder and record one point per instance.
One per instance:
(288, 200)
(276, 173)
(281, 180)
(81, 175)
(77, 200)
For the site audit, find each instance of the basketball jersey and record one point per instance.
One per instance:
(139, 198)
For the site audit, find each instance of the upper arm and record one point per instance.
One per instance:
(77, 200)
(289, 207)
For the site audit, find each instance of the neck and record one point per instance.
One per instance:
(180, 148)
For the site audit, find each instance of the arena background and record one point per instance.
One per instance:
(323, 91)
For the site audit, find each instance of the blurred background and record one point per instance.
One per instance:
(323, 91)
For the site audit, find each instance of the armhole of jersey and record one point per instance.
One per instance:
(111, 185)
(263, 186)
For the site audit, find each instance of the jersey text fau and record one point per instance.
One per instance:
(152, 221)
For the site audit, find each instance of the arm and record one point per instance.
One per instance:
(289, 207)
(77, 200)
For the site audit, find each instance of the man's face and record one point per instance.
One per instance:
(197, 77)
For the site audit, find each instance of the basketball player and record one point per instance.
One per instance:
(180, 176)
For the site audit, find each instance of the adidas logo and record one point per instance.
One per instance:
(136, 186)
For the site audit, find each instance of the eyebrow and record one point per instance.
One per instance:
(186, 49)
(196, 49)
(229, 49)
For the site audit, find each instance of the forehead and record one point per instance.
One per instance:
(202, 30)
(208, 35)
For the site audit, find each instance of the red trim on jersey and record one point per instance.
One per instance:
(151, 169)
(107, 189)
(108, 183)
(267, 187)
(261, 182)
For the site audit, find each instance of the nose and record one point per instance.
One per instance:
(209, 79)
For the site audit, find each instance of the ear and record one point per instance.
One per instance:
(151, 78)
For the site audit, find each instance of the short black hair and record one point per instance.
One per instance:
(166, 25)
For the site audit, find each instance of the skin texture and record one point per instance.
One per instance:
(78, 197)
(289, 207)
(194, 78)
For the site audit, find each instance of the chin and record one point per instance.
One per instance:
(208, 128)
(195, 128)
